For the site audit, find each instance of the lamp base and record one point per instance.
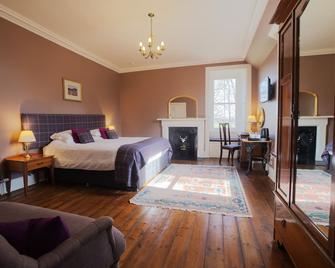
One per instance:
(26, 149)
(28, 156)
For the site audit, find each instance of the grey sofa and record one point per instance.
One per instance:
(92, 243)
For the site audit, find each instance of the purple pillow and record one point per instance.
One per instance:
(103, 132)
(35, 237)
(85, 137)
(111, 133)
(16, 233)
(75, 132)
(46, 234)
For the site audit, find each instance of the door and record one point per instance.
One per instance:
(313, 173)
(285, 111)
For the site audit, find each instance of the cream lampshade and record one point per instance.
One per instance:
(252, 119)
(26, 137)
(111, 127)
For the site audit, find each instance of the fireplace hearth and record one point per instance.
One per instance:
(184, 142)
(306, 145)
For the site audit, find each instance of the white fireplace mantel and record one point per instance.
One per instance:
(199, 123)
(320, 122)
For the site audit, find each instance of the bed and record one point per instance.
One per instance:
(125, 162)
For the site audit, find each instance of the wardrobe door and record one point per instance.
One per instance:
(314, 125)
(285, 110)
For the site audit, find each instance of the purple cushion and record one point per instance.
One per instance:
(111, 133)
(103, 132)
(35, 237)
(85, 137)
(45, 234)
(75, 132)
(16, 233)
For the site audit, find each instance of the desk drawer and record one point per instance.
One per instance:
(47, 162)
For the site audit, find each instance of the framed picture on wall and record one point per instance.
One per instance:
(72, 90)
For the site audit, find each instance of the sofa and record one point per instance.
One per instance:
(92, 243)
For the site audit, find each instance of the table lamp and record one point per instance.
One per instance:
(26, 137)
(252, 121)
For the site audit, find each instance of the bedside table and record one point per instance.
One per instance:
(24, 165)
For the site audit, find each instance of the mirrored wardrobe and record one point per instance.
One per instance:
(305, 193)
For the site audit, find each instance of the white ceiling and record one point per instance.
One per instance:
(108, 31)
(317, 33)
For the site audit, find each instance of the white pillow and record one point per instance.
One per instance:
(95, 138)
(57, 135)
(95, 132)
(64, 136)
(67, 138)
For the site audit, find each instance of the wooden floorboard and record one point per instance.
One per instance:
(159, 237)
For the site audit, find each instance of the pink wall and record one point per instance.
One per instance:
(317, 75)
(144, 96)
(269, 68)
(31, 71)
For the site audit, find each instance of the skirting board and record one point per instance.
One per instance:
(17, 184)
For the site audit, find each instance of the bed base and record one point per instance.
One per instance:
(107, 178)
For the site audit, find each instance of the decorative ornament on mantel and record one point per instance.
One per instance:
(151, 52)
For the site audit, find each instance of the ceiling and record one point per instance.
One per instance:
(108, 31)
(317, 33)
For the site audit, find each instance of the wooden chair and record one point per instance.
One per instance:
(225, 143)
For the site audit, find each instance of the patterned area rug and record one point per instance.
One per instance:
(313, 194)
(209, 189)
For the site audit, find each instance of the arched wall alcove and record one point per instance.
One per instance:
(308, 103)
(177, 104)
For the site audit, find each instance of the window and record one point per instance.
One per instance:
(224, 102)
(228, 97)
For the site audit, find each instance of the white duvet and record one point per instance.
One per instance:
(98, 155)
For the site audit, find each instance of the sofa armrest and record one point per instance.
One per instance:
(10, 258)
(70, 246)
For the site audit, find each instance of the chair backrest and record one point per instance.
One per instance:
(224, 133)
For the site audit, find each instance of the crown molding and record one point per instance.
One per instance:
(273, 32)
(253, 26)
(315, 52)
(38, 29)
(180, 64)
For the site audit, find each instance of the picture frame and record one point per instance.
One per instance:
(72, 90)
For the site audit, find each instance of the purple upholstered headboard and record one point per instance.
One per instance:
(44, 125)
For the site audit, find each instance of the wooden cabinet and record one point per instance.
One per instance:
(304, 206)
(21, 164)
(300, 245)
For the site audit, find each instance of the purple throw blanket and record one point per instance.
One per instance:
(130, 158)
(327, 154)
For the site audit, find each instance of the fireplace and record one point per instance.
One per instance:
(184, 142)
(306, 145)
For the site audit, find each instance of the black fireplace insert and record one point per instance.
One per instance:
(184, 142)
(306, 145)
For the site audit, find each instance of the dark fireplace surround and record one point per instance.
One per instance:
(184, 142)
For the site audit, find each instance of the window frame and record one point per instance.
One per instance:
(244, 71)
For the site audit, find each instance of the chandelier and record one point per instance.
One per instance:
(151, 52)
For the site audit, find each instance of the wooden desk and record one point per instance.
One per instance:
(24, 165)
(264, 147)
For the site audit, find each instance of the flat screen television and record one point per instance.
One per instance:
(265, 90)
